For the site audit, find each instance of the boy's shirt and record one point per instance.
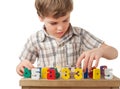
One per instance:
(49, 52)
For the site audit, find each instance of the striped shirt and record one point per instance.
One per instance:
(49, 53)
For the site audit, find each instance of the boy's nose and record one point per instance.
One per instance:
(60, 27)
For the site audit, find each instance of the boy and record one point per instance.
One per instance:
(58, 43)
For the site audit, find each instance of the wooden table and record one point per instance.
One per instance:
(70, 84)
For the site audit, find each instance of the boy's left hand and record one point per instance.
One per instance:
(88, 57)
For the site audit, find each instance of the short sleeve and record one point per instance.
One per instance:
(30, 50)
(89, 41)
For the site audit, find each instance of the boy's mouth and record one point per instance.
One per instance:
(59, 33)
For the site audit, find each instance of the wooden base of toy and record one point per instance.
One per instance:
(70, 84)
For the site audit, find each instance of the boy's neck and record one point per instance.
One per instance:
(57, 39)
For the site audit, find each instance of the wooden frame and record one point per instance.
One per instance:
(70, 84)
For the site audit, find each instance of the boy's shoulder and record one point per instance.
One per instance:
(38, 35)
(77, 30)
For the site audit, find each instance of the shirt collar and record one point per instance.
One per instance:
(73, 30)
(43, 29)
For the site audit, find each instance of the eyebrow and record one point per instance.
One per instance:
(56, 22)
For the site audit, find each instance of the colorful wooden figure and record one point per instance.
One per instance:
(35, 73)
(108, 74)
(44, 72)
(102, 69)
(78, 73)
(96, 74)
(27, 73)
(86, 74)
(65, 73)
(57, 73)
(91, 73)
(51, 74)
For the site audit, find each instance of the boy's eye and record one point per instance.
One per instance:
(65, 21)
(53, 23)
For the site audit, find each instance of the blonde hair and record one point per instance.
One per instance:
(54, 8)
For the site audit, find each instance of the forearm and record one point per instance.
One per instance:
(109, 52)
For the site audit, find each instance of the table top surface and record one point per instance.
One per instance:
(71, 82)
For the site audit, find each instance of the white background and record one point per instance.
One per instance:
(18, 20)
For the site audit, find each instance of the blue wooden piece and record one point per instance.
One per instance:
(86, 74)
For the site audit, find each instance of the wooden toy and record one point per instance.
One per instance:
(57, 73)
(35, 73)
(78, 73)
(65, 73)
(108, 74)
(86, 74)
(51, 74)
(27, 73)
(102, 69)
(91, 72)
(44, 72)
(96, 74)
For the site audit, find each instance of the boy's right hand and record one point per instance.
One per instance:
(22, 65)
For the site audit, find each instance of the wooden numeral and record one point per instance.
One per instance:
(35, 73)
(27, 73)
(96, 74)
(44, 73)
(51, 74)
(102, 69)
(86, 74)
(108, 74)
(65, 73)
(78, 73)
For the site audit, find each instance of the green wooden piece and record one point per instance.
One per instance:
(27, 73)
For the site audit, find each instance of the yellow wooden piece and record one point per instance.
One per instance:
(65, 73)
(44, 72)
(96, 74)
(78, 73)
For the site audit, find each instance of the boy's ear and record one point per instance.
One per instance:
(41, 19)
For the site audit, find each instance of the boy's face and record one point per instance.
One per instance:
(57, 27)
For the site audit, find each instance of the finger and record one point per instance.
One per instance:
(85, 64)
(19, 72)
(22, 69)
(97, 61)
(90, 63)
(80, 59)
(28, 65)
